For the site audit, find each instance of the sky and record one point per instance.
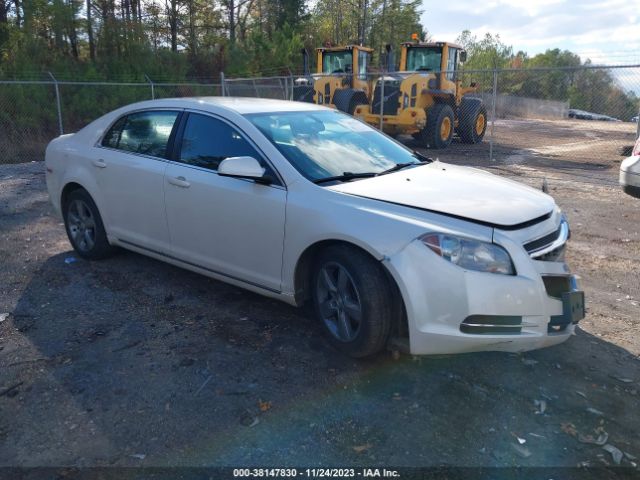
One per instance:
(606, 31)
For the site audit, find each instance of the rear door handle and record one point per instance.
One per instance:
(99, 163)
(179, 182)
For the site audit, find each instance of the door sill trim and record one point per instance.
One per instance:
(216, 272)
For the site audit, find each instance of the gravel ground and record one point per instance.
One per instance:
(133, 362)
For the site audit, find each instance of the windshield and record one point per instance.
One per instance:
(337, 62)
(424, 58)
(323, 144)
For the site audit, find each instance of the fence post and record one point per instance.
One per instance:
(381, 101)
(222, 84)
(493, 112)
(55, 84)
(153, 92)
(292, 84)
(283, 87)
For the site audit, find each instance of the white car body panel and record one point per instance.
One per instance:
(205, 231)
(630, 174)
(132, 187)
(253, 235)
(470, 192)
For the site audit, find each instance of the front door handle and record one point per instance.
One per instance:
(99, 163)
(179, 182)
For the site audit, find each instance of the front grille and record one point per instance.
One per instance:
(542, 242)
(551, 246)
(492, 325)
(391, 98)
(556, 255)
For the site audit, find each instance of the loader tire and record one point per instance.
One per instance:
(438, 131)
(472, 123)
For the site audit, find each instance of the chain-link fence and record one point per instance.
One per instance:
(562, 117)
(36, 111)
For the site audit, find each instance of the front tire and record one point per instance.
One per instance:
(84, 226)
(438, 131)
(353, 300)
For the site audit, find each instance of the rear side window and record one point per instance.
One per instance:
(207, 141)
(112, 137)
(146, 133)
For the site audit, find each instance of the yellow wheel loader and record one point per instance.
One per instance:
(340, 80)
(425, 97)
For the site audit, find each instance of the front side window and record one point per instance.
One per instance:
(323, 144)
(146, 133)
(207, 141)
(426, 59)
(337, 62)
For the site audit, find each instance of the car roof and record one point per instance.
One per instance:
(241, 105)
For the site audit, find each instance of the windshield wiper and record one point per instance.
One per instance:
(421, 157)
(346, 176)
(421, 161)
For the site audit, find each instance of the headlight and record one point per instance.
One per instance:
(470, 254)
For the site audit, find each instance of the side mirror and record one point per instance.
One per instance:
(243, 167)
(463, 56)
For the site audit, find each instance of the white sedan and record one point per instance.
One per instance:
(306, 204)
(630, 172)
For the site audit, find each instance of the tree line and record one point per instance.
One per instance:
(568, 78)
(178, 40)
(189, 39)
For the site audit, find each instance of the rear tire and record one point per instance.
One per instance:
(473, 120)
(438, 131)
(84, 226)
(353, 300)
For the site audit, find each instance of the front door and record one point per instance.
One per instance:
(229, 226)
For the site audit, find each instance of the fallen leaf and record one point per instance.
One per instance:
(569, 429)
(362, 448)
(601, 440)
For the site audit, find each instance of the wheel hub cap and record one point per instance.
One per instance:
(339, 302)
(81, 225)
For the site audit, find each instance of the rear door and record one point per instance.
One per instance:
(229, 226)
(129, 168)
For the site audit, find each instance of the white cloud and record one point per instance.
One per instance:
(606, 29)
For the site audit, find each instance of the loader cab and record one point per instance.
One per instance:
(434, 57)
(350, 62)
(341, 76)
(442, 59)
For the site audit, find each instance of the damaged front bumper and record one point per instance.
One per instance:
(452, 310)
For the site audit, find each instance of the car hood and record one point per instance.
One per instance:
(457, 191)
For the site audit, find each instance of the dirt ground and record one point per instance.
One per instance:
(133, 362)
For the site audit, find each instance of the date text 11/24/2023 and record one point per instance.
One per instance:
(315, 473)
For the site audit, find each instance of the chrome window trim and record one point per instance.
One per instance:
(215, 172)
